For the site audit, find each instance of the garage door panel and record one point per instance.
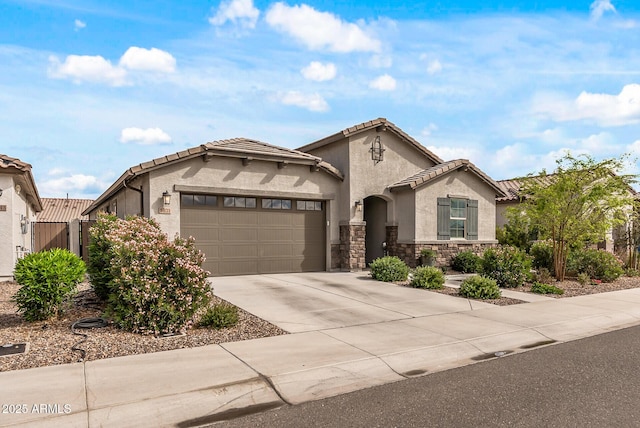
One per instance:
(238, 251)
(237, 267)
(276, 250)
(204, 234)
(238, 218)
(276, 266)
(267, 236)
(197, 215)
(237, 241)
(238, 234)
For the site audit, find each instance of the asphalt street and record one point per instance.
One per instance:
(592, 382)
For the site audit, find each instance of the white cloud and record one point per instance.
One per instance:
(599, 7)
(153, 59)
(426, 132)
(383, 83)
(320, 30)
(450, 152)
(96, 69)
(380, 61)
(56, 171)
(81, 68)
(434, 67)
(79, 25)
(240, 12)
(147, 136)
(603, 109)
(319, 72)
(72, 184)
(311, 102)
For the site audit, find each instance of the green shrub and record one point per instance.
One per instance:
(47, 280)
(509, 266)
(542, 255)
(158, 286)
(480, 287)
(546, 289)
(583, 279)
(389, 269)
(100, 255)
(598, 264)
(466, 262)
(544, 276)
(428, 277)
(221, 315)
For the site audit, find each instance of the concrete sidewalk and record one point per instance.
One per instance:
(368, 339)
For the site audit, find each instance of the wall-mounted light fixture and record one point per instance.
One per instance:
(24, 222)
(358, 205)
(166, 198)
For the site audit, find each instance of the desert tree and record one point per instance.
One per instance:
(578, 203)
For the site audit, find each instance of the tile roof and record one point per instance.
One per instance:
(22, 174)
(384, 125)
(63, 209)
(235, 147)
(422, 177)
(511, 187)
(9, 162)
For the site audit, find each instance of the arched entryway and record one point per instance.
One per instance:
(375, 215)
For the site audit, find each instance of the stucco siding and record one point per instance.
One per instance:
(11, 235)
(457, 183)
(7, 249)
(368, 178)
(501, 211)
(406, 215)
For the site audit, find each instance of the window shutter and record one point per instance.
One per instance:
(444, 218)
(472, 219)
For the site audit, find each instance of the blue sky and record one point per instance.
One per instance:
(89, 88)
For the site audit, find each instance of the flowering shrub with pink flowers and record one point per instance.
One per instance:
(157, 286)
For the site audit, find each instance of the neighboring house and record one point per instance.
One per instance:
(337, 203)
(19, 205)
(63, 210)
(60, 224)
(511, 189)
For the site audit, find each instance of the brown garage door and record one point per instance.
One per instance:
(241, 235)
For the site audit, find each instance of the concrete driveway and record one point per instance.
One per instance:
(323, 300)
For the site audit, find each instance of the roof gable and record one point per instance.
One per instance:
(22, 170)
(380, 124)
(242, 148)
(425, 176)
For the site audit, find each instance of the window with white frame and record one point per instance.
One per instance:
(458, 218)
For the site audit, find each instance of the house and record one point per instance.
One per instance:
(614, 241)
(19, 205)
(60, 224)
(336, 203)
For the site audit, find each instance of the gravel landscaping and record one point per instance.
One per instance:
(50, 341)
(571, 288)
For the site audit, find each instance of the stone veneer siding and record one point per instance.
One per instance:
(410, 253)
(335, 256)
(352, 247)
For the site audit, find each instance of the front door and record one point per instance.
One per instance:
(375, 215)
